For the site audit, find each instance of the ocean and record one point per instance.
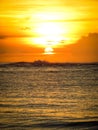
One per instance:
(49, 98)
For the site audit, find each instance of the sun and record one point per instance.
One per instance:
(48, 50)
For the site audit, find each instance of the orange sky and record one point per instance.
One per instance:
(49, 30)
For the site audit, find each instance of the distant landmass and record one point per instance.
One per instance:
(40, 63)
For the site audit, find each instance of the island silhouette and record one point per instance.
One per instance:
(41, 63)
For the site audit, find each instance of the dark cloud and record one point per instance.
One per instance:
(77, 20)
(15, 36)
(26, 28)
(16, 47)
(86, 45)
(2, 37)
(85, 49)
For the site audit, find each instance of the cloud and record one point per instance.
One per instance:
(26, 28)
(77, 20)
(84, 50)
(86, 44)
(4, 36)
(18, 47)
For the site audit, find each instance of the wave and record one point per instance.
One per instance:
(91, 125)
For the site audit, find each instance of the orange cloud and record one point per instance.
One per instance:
(85, 50)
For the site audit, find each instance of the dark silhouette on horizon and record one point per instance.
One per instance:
(41, 63)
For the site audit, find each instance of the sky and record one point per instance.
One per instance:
(51, 30)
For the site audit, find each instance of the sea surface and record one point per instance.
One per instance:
(49, 98)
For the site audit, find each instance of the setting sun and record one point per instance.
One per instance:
(50, 29)
(48, 50)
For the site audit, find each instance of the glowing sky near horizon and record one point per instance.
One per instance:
(28, 26)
